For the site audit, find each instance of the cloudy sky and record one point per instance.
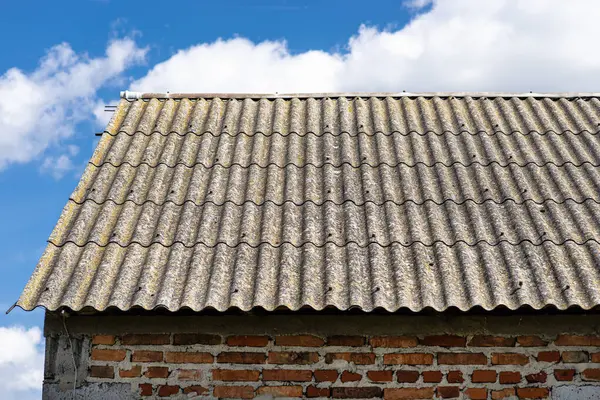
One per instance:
(58, 69)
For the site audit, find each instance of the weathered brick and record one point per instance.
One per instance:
(394, 341)
(476, 393)
(455, 377)
(503, 393)
(299, 340)
(348, 376)
(531, 341)
(348, 341)
(248, 341)
(235, 357)
(356, 358)
(539, 377)
(292, 375)
(104, 339)
(380, 376)
(145, 389)
(187, 339)
(448, 392)
(108, 355)
(236, 392)
(102, 371)
(146, 356)
(407, 376)
(408, 359)
(280, 391)
(591, 374)
(313, 391)
(509, 359)
(564, 374)
(532, 393)
(290, 357)
(484, 376)
(167, 390)
(195, 389)
(235, 375)
(157, 372)
(575, 340)
(432, 376)
(595, 357)
(356, 392)
(133, 372)
(491, 341)
(189, 374)
(574, 357)
(444, 341)
(408, 393)
(189, 357)
(548, 356)
(152, 338)
(326, 375)
(509, 377)
(462, 359)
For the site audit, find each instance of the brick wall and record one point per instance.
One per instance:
(473, 366)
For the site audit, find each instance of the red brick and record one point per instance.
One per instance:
(539, 377)
(394, 341)
(595, 357)
(448, 392)
(145, 389)
(548, 356)
(407, 376)
(574, 357)
(348, 341)
(134, 372)
(326, 375)
(191, 357)
(380, 376)
(502, 394)
(444, 341)
(108, 355)
(280, 391)
(348, 376)
(292, 375)
(591, 374)
(356, 392)
(196, 338)
(356, 358)
(455, 377)
(476, 393)
(104, 339)
(531, 341)
(408, 393)
(155, 339)
(189, 374)
(167, 390)
(248, 341)
(313, 391)
(532, 393)
(432, 376)
(196, 389)
(299, 340)
(462, 359)
(491, 341)
(236, 392)
(235, 375)
(157, 372)
(290, 357)
(102, 371)
(408, 359)
(564, 374)
(509, 359)
(146, 356)
(574, 340)
(483, 376)
(510, 377)
(234, 357)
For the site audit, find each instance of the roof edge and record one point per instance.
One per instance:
(131, 95)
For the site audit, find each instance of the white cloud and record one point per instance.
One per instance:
(38, 109)
(21, 362)
(455, 45)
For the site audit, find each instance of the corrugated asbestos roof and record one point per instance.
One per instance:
(369, 202)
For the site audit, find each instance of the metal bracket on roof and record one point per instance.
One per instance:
(127, 95)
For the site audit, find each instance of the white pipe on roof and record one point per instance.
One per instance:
(131, 95)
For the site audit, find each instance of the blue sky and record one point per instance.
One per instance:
(62, 63)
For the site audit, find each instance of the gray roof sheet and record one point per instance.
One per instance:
(370, 202)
